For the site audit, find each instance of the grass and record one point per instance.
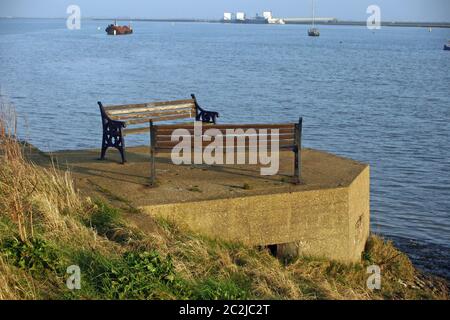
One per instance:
(107, 221)
(47, 226)
(194, 189)
(246, 186)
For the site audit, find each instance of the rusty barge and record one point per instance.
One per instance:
(115, 30)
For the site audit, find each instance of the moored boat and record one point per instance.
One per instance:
(313, 31)
(115, 30)
(447, 46)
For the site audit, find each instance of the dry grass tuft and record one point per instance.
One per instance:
(399, 278)
(196, 257)
(15, 284)
(13, 188)
(34, 197)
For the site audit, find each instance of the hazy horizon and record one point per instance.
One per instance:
(398, 10)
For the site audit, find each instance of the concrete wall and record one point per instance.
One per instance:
(359, 212)
(330, 223)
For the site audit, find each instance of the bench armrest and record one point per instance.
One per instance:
(207, 116)
(113, 123)
(204, 115)
(117, 123)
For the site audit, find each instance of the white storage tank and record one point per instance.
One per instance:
(267, 15)
(240, 16)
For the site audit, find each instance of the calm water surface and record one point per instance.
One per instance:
(381, 98)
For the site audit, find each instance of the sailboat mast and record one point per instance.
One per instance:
(313, 13)
(313, 32)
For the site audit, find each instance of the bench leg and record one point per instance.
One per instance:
(152, 153)
(298, 151)
(104, 148)
(152, 169)
(296, 168)
(122, 155)
(113, 139)
(121, 148)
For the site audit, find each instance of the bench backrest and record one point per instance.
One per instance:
(288, 135)
(156, 111)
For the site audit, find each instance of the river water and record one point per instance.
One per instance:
(379, 97)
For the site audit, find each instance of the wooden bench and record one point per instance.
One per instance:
(289, 138)
(118, 117)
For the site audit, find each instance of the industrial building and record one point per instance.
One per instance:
(240, 16)
(227, 16)
(267, 15)
(267, 18)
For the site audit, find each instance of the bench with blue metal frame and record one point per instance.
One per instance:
(121, 120)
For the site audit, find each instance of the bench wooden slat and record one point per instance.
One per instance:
(227, 126)
(281, 137)
(157, 119)
(171, 144)
(135, 130)
(149, 109)
(152, 114)
(147, 128)
(206, 143)
(168, 133)
(235, 149)
(148, 105)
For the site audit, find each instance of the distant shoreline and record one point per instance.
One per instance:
(306, 22)
(288, 21)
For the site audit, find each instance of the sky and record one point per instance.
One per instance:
(399, 10)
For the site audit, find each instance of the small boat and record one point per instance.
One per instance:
(115, 30)
(313, 32)
(447, 46)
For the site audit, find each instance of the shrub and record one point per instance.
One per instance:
(212, 289)
(140, 275)
(35, 256)
(107, 221)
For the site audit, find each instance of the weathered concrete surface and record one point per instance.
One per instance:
(354, 220)
(359, 212)
(332, 223)
(328, 215)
